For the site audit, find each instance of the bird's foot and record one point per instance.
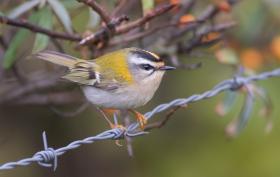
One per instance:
(119, 126)
(142, 120)
(110, 112)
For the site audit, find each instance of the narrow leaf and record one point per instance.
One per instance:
(10, 55)
(245, 113)
(237, 125)
(227, 103)
(21, 9)
(45, 21)
(62, 14)
(94, 19)
(17, 42)
(71, 4)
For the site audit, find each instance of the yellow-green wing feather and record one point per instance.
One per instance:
(107, 72)
(80, 71)
(58, 58)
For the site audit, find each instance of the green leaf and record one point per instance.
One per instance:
(21, 9)
(71, 4)
(245, 113)
(10, 55)
(17, 42)
(237, 125)
(147, 5)
(227, 103)
(45, 21)
(62, 14)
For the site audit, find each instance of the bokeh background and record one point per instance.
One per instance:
(194, 143)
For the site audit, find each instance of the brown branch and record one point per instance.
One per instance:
(120, 6)
(163, 122)
(32, 27)
(58, 98)
(197, 40)
(185, 7)
(104, 33)
(97, 8)
(208, 14)
(22, 90)
(212, 10)
(146, 33)
(148, 17)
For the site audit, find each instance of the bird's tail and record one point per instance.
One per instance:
(58, 58)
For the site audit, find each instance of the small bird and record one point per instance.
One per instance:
(121, 80)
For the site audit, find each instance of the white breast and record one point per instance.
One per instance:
(125, 98)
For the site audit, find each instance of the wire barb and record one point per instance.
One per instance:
(48, 155)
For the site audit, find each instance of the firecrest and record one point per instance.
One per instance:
(121, 80)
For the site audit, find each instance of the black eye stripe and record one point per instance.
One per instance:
(147, 67)
(146, 55)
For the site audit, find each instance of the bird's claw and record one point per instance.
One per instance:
(142, 120)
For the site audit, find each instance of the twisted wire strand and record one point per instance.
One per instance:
(48, 156)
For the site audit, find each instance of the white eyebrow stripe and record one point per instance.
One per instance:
(153, 54)
(138, 61)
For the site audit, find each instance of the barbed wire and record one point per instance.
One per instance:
(49, 156)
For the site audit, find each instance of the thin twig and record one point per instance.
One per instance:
(197, 41)
(97, 8)
(185, 7)
(104, 34)
(120, 6)
(162, 122)
(146, 33)
(208, 14)
(56, 98)
(148, 17)
(39, 84)
(32, 27)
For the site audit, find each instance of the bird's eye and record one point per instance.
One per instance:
(147, 67)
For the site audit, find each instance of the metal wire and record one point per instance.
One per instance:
(48, 157)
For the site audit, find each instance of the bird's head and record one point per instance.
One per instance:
(146, 66)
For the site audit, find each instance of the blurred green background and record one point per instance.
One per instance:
(192, 144)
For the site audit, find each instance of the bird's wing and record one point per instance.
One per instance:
(85, 72)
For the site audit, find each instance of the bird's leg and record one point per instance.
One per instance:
(117, 125)
(140, 118)
(104, 113)
(113, 112)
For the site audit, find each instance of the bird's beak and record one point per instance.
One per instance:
(164, 68)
